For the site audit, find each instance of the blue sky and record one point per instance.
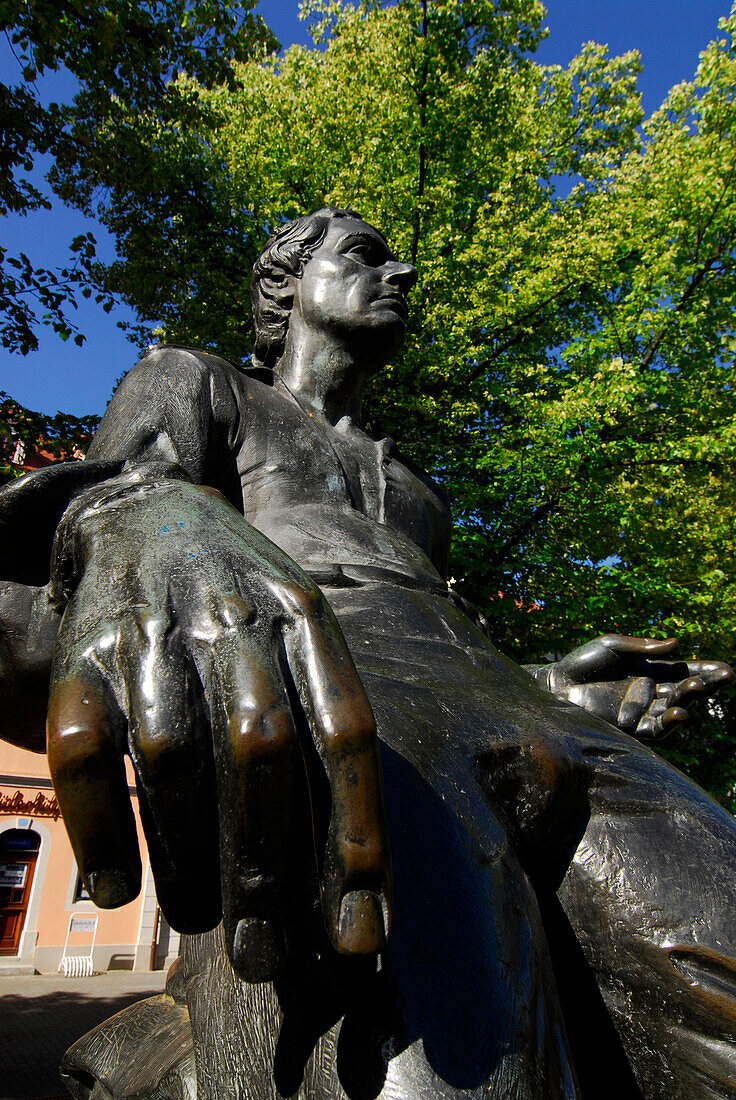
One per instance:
(668, 33)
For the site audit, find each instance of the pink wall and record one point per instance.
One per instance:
(51, 904)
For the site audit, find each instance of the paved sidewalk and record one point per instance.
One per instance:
(42, 1015)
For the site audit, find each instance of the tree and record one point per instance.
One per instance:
(569, 372)
(123, 54)
(29, 439)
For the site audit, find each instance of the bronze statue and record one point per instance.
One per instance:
(247, 595)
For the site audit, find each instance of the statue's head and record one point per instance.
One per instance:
(283, 262)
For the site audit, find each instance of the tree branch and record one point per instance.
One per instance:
(537, 516)
(689, 292)
(417, 229)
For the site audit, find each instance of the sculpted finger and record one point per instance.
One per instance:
(28, 631)
(647, 656)
(635, 703)
(611, 653)
(172, 753)
(652, 648)
(714, 674)
(660, 705)
(688, 690)
(258, 761)
(85, 746)
(653, 727)
(356, 871)
(671, 718)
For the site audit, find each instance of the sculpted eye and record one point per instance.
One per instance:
(365, 251)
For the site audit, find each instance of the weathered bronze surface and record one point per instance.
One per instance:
(247, 596)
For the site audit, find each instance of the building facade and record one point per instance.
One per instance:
(46, 916)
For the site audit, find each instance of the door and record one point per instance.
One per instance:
(18, 855)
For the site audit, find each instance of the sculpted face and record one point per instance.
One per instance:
(354, 287)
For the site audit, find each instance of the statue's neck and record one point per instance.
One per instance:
(324, 375)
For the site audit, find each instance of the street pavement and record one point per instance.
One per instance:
(42, 1015)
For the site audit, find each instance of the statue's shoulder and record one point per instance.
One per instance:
(187, 367)
(169, 357)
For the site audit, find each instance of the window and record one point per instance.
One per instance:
(19, 840)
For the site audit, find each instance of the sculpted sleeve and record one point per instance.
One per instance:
(181, 406)
(176, 405)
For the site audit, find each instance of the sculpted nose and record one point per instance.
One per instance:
(401, 275)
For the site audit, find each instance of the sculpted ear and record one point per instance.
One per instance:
(279, 290)
(272, 304)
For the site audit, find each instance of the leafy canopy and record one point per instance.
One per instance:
(123, 52)
(569, 369)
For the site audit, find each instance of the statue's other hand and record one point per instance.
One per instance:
(634, 683)
(192, 644)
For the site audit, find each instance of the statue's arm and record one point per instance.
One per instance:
(193, 645)
(175, 408)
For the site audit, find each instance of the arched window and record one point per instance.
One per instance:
(19, 840)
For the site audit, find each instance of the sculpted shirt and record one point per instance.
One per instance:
(344, 506)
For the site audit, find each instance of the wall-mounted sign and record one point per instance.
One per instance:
(83, 924)
(41, 806)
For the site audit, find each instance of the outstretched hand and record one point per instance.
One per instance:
(634, 683)
(195, 646)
